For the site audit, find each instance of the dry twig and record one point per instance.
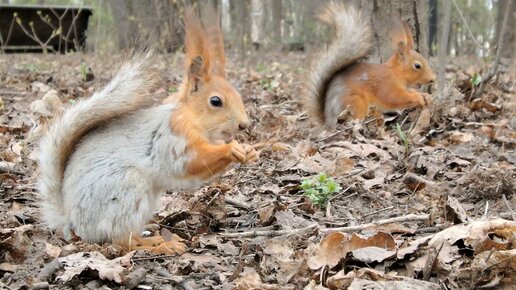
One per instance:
(409, 217)
(309, 229)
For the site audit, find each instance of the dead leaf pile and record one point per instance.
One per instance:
(427, 200)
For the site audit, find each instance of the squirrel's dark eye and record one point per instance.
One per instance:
(417, 65)
(216, 101)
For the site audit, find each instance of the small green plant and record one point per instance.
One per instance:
(261, 68)
(84, 72)
(403, 137)
(319, 189)
(476, 80)
(269, 83)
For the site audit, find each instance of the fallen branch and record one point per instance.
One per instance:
(406, 218)
(421, 179)
(430, 262)
(306, 230)
(269, 233)
(237, 203)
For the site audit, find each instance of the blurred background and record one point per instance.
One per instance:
(473, 27)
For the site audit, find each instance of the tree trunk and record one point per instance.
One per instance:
(509, 44)
(126, 28)
(277, 14)
(443, 44)
(258, 21)
(381, 12)
(241, 22)
(432, 27)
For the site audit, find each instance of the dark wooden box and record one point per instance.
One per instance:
(34, 28)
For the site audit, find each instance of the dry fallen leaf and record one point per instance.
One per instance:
(372, 254)
(480, 235)
(336, 245)
(279, 261)
(343, 165)
(454, 211)
(478, 104)
(52, 251)
(8, 267)
(250, 280)
(413, 247)
(288, 220)
(112, 270)
(490, 265)
(365, 278)
(314, 286)
(457, 137)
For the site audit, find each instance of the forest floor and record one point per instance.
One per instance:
(424, 203)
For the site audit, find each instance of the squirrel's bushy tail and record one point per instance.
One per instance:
(124, 94)
(353, 41)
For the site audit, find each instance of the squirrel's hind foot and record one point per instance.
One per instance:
(156, 244)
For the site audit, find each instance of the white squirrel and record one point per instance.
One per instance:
(107, 160)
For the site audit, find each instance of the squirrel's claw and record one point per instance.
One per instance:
(250, 153)
(238, 153)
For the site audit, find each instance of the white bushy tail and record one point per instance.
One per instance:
(124, 94)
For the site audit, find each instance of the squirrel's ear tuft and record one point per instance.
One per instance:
(401, 49)
(196, 72)
(215, 40)
(408, 35)
(197, 61)
(398, 37)
(196, 67)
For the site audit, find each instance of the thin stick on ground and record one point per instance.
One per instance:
(378, 211)
(421, 180)
(269, 233)
(509, 208)
(309, 229)
(407, 218)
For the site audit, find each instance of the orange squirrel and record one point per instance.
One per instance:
(106, 161)
(338, 81)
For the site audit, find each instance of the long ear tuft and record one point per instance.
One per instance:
(196, 46)
(408, 35)
(215, 40)
(399, 40)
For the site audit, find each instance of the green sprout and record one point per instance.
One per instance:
(84, 72)
(261, 68)
(319, 189)
(476, 80)
(403, 137)
(269, 83)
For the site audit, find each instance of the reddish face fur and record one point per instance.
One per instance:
(213, 107)
(406, 61)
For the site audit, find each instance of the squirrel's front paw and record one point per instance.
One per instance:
(238, 152)
(250, 153)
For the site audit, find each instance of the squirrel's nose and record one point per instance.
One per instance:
(432, 79)
(243, 125)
